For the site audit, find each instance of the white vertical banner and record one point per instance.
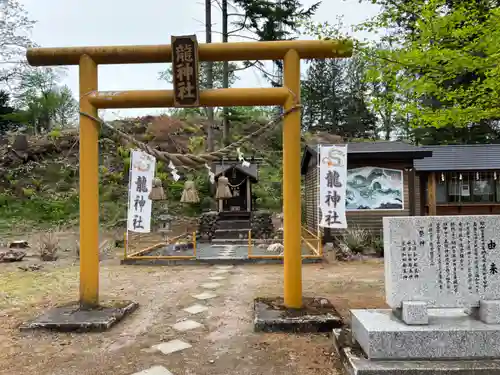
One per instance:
(332, 185)
(142, 172)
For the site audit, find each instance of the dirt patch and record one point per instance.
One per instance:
(226, 344)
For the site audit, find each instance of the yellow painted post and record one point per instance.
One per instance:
(125, 244)
(89, 188)
(194, 244)
(291, 185)
(320, 245)
(249, 243)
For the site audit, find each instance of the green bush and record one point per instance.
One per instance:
(378, 246)
(39, 209)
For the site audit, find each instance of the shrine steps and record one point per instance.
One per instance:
(232, 225)
(234, 215)
(231, 234)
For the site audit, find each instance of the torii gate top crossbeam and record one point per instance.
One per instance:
(238, 51)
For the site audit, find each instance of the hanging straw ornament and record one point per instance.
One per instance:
(157, 193)
(223, 190)
(189, 194)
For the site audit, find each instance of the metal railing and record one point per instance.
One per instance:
(312, 241)
(142, 254)
(308, 239)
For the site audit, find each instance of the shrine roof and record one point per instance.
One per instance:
(460, 158)
(372, 150)
(226, 165)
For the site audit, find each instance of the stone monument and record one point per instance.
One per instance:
(442, 282)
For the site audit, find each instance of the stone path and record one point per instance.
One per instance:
(223, 252)
(192, 320)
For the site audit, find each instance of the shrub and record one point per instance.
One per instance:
(378, 246)
(355, 239)
(48, 246)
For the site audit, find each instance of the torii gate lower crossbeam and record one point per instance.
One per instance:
(88, 58)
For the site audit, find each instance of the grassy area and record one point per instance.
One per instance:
(19, 289)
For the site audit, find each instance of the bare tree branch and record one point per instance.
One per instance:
(239, 36)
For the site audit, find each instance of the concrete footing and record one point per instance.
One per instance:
(316, 315)
(72, 318)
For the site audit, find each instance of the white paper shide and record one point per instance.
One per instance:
(332, 185)
(142, 171)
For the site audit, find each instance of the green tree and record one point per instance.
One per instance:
(335, 99)
(445, 59)
(438, 68)
(358, 121)
(321, 96)
(41, 102)
(269, 20)
(6, 111)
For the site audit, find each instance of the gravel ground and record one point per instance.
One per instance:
(226, 344)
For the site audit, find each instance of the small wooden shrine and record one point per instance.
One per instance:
(239, 180)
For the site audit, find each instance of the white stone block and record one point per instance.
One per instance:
(196, 309)
(220, 272)
(489, 312)
(186, 325)
(155, 370)
(205, 295)
(210, 285)
(172, 346)
(217, 278)
(414, 312)
(224, 267)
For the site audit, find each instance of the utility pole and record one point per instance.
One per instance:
(225, 75)
(210, 74)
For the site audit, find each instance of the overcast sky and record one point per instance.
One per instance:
(64, 23)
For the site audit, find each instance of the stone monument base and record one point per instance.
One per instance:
(449, 334)
(354, 362)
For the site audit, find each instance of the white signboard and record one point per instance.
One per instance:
(332, 185)
(446, 261)
(142, 171)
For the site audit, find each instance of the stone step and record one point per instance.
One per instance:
(234, 215)
(229, 241)
(231, 234)
(234, 224)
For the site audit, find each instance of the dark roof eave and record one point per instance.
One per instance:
(445, 169)
(420, 154)
(253, 178)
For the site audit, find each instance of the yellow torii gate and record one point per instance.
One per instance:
(88, 59)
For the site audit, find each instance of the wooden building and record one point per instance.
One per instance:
(460, 180)
(381, 181)
(240, 179)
